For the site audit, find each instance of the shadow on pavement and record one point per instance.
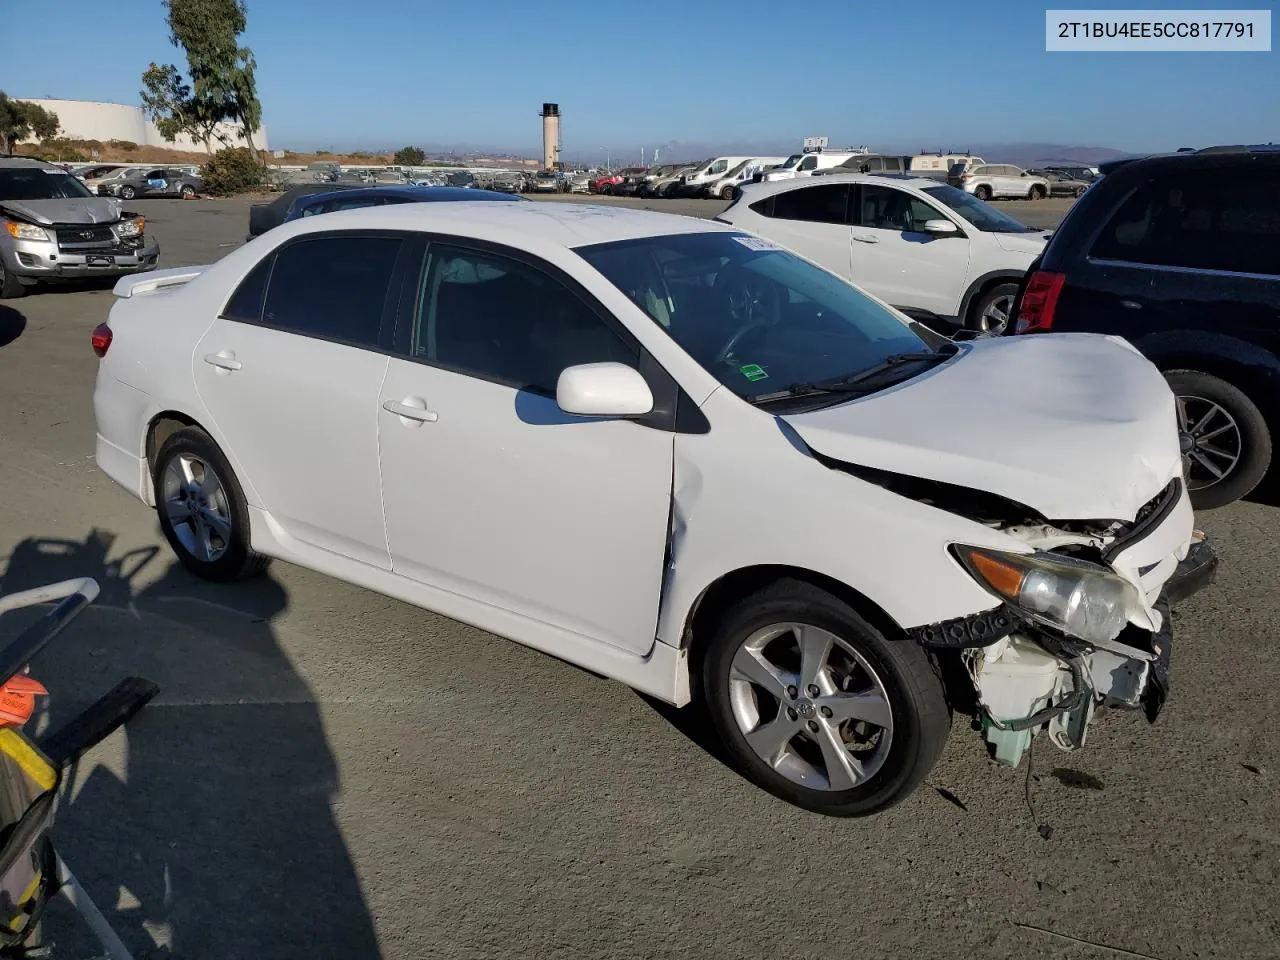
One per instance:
(209, 830)
(12, 323)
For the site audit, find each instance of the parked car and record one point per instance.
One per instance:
(462, 178)
(871, 163)
(351, 394)
(602, 183)
(809, 162)
(1180, 255)
(92, 174)
(990, 181)
(52, 228)
(663, 184)
(1061, 185)
(153, 182)
(1075, 172)
(548, 181)
(580, 183)
(934, 252)
(267, 216)
(324, 171)
(726, 186)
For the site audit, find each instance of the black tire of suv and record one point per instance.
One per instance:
(982, 192)
(921, 716)
(1036, 192)
(1255, 436)
(239, 561)
(10, 288)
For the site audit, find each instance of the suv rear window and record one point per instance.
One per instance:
(1199, 222)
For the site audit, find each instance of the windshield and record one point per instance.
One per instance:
(791, 161)
(758, 318)
(461, 178)
(986, 218)
(40, 183)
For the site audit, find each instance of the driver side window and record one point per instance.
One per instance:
(884, 208)
(809, 162)
(501, 319)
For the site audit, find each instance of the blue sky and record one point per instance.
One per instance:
(892, 75)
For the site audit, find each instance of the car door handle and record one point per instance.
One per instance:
(866, 239)
(223, 361)
(410, 411)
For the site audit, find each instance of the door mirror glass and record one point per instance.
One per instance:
(603, 390)
(940, 227)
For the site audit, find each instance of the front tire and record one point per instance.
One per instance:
(187, 191)
(202, 508)
(1226, 442)
(127, 193)
(818, 707)
(10, 288)
(993, 310)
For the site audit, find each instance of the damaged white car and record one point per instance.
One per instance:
(678, 456)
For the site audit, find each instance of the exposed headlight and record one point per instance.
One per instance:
(130, 228)
(27, 231)
(1079, 598)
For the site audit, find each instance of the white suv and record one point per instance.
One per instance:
(932, 251)
(988, 181)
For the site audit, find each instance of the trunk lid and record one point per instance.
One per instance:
(1076, 426)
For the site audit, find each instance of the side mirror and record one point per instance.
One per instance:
(603, 390)
(939, 227)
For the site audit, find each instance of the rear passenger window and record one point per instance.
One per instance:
(334, 288)
(246, 303)
(824, 204)
(1228, 223)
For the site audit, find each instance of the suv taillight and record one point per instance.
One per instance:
(100, 339)
(1039, 301)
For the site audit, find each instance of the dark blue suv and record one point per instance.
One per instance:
(1180, 255)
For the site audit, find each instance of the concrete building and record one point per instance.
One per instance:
(91, 120)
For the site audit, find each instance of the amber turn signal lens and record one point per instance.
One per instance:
(1005, 579)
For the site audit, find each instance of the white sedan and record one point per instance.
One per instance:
(675, 455)
(934, 251)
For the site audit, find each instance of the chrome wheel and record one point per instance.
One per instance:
(1211, 441)
(995, 318)
(197, 507)
(810, 706)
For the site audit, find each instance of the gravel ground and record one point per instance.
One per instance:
(331, 774)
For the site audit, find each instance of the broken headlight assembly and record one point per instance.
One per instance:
(1081, 599)
(26, 231)
(130, 228)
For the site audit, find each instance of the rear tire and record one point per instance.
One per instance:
(1234, 438)
(127, 192)
(890, 679)
(1036, 192)
(992, 311)
(202, 509)
(983, 193)
(187, 191)
(10, 288)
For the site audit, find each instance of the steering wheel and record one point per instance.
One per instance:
(754, 302)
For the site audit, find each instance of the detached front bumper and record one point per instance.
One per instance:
(34, 260)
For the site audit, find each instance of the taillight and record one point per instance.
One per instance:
(1039, 301)
(100, 339)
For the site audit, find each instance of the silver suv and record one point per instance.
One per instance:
(53, 228)
(988, 181)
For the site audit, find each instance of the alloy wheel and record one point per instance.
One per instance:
(995, 318)
(197, 506)
(810, 706)
(1211, 441)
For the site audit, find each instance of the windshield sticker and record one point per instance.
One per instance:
(753, 372)
(757, 243)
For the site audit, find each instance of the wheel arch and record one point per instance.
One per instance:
(163, 424)
(1251, 369)
(734, 585)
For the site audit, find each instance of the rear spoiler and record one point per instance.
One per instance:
(138, 284)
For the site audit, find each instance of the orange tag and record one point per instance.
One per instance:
(18, 699)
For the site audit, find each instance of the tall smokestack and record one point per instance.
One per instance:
(550, 136)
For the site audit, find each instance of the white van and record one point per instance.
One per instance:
(723, 188)
(805, 164)
(707, 173)
(936, 165)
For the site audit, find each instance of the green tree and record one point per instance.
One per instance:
(219, 85)
(410, 157)
(20, 119)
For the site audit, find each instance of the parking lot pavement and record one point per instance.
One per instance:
(329, 773)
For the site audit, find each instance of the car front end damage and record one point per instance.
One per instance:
(1084, 623)
(68, 240)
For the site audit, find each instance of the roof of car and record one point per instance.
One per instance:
(565, 224)
(897, 179)
(19, 163)
(410, 192)
(1207, 156)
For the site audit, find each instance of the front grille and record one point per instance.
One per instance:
(87, 237)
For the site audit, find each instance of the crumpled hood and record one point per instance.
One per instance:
(1032, 243)
(1075, 425)
(75, 210)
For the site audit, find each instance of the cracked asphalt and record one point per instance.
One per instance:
(330, 773)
